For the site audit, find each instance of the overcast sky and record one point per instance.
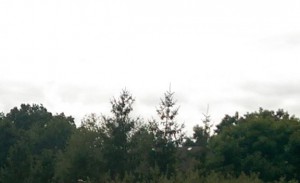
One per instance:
(73, 56)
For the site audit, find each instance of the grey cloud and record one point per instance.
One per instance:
(153, 99)
(267, 94)
(149, 100)
(181, 98)
(280, 89)
(254, 102)
(249, 96)
(86, 95)
(14, 93)
(290, 40)
(293, 39)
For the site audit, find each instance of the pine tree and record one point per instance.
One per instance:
(168, 134)
(202, 134)
(118, 130)
(167, 111)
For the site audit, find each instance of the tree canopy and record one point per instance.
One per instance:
(38, 146)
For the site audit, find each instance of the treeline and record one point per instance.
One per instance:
(37, 146)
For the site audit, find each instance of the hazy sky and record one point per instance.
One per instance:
(73, 56)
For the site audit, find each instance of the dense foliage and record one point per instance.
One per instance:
(38, 146)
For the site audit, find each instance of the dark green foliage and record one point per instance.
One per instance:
(195, 149)
(27, 115)
(117, 134)
(8, 137)
(260, 142)
(227, 121)
(168, 135)
(82, 158)
(31, 137)
(37, 146)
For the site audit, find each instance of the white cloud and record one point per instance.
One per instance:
(206, 49)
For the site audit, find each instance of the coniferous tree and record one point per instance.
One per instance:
(171, 130)
(168, 134)
(202, 134)
(118, 130)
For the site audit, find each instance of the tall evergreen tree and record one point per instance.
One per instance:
(167, 112)
(168, 134)
(118, 130)
(202, 134)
